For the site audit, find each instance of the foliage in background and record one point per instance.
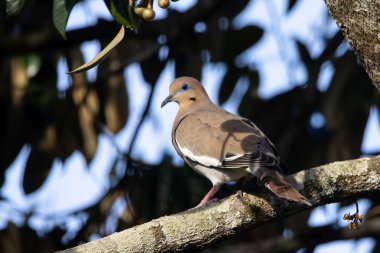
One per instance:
(55, 124)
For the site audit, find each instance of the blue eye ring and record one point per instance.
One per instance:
(185, 87)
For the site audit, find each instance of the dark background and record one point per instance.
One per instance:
(310, 125)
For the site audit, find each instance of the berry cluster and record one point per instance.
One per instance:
(355, 220)
(145, 8)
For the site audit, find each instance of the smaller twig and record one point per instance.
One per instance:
(355, 219)
(356, 205)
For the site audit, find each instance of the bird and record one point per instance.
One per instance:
(222, 146)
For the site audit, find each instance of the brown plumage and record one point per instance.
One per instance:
(221, 146)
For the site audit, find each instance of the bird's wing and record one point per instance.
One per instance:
(223, 140)
(231, 144)
(266, 139)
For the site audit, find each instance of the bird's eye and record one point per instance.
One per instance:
(185, 86)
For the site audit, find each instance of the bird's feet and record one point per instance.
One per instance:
(202, 203)
(209, 195)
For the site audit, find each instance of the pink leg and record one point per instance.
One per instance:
(215, 188)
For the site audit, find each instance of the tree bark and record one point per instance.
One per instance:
(360, 24)
(202, 226)
(310, 239)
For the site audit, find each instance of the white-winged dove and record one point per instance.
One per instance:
(221, 146)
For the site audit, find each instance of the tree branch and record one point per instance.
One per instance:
(199, 227)
(312, 238)
(359, 22)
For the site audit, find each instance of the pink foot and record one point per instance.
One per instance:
(215, 188)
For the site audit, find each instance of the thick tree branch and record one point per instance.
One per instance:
(360, 24)
(200, 227)
(309, 239)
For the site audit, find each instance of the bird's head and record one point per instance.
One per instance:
(185, 91)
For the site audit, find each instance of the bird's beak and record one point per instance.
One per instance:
(168, 99)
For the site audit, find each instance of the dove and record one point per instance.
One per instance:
(222, 146)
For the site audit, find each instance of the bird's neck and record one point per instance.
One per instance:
(191, 106)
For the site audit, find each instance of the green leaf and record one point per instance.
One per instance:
(14, 6)
(103, 54)
(61, 12)
(123, 13)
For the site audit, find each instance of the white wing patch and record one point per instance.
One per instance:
(202, 159)
(231, 158)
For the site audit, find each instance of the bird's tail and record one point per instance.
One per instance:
(274, 180)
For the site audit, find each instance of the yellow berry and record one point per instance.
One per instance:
(148, 14)
(163, 3)
(139, 10)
